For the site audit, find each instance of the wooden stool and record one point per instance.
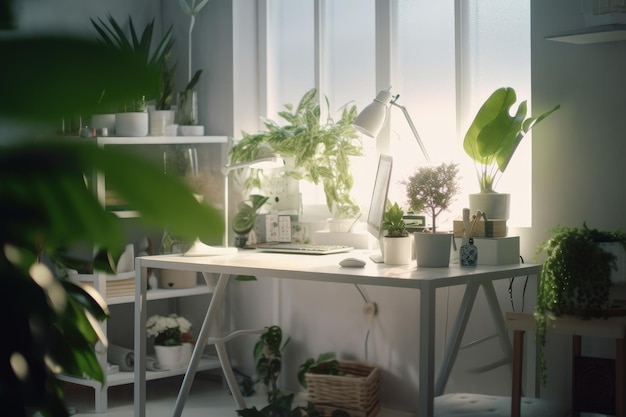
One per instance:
(614, 328)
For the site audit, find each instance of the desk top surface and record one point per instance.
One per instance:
(326, 268)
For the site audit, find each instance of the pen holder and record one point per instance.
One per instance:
(468, 253)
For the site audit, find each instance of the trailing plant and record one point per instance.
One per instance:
(325, 364)
(268, 357)
(575, 278)
(393, 221)
(432, 188)
(321, 151)
(140, 46)
(493, 136)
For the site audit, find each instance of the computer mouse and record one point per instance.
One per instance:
(352, 263)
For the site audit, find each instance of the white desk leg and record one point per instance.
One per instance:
(141, 286)
(230, 375)
(203, 337)
(427, 351)
(458, 330)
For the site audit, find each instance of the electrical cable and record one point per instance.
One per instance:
(367, 335)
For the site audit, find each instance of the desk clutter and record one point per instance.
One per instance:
(485, 242)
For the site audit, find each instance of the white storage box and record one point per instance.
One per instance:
(496, 251)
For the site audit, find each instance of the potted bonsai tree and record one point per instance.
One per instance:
(491, 141)
(319, 152)
(396, 241)
(432, 189)
(579, 270)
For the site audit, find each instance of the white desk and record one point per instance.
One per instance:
(325, 268)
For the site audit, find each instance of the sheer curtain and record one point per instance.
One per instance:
(445, 57)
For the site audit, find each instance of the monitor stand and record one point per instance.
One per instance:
(377, 258)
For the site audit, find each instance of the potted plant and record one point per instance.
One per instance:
(132, 117)
(579, 270)
(432, 189)
(319, 152)
(268, 357)
(396, 240)
(245, 219)
(491, 141)
(167, 332)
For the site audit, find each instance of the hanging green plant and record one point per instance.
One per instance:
(576, 277)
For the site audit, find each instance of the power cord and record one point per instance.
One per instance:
(511, 281)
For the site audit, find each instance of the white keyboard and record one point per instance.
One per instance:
(304, 248)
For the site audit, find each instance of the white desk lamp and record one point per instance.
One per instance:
(267, 161)
(373, 117)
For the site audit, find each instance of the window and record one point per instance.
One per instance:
(442, 57)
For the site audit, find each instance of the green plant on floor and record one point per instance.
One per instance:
(46, 208)
(325, 364)
(575, 278)
(268, 357)
(393, 221)
(494, 135)
(321, 151)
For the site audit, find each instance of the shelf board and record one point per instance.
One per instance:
(162, 293)
(594, 34)
(160, 140)
(124, 378)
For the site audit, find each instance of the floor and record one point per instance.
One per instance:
(208, 397)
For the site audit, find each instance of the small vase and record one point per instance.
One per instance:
(159, 120)
(169, 357)
(188, 108)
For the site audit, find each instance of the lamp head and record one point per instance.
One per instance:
(372, 118)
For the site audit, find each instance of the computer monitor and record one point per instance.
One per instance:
(378, 202)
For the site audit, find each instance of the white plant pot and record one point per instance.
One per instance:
(159, 120)
(340, 225)
(191, 130)
(432, 250)
(131, 124)
(397, 250)
(168, 357)
(494, 205)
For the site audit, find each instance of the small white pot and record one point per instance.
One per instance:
(340, 225)
(168, 357)
(432, 250)
(397, 250)
(494, 205)
(185, 353)
(131, 124)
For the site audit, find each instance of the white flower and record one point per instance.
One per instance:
(159, 324)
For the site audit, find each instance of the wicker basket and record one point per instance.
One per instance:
(356, 392)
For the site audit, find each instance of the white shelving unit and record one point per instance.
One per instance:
(99, 280)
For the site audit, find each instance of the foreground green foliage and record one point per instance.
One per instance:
(46, 207)
(393, 221)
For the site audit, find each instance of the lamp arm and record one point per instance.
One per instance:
(412, 126)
